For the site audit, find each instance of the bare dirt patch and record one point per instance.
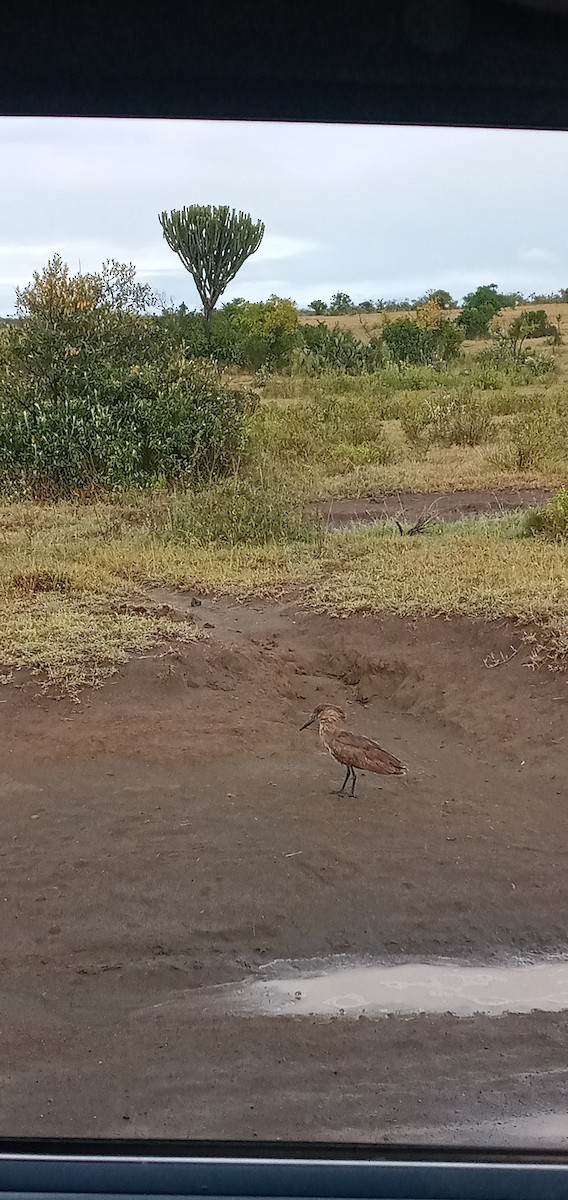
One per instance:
(176, 830)
(436, 506)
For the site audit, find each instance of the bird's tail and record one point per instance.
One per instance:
(395, 766)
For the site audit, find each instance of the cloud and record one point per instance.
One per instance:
(536, 254)
(370, 210)
(272, 248)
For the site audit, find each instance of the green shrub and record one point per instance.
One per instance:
(187, 331)
(533, 436)
(338, 350)
(480, 307)
(260, 507)
(246, 335)
(133, 428)
(328, 428)
(266, 332)
(550, 522)
(507, 354)
(69, 324)
(92, 395)
(442, 298)
(341, 303)
(406, 342)
(532, 323)
(458, 418)
(402, 343)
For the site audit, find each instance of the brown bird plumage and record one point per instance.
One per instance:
(352, 749)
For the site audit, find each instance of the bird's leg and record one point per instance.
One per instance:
(353, 781)
(343, 785)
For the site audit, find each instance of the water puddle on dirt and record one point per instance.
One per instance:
(354, 989)
(546, 1130)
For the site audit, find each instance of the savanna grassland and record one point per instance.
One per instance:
(320, 426)
(207, 530)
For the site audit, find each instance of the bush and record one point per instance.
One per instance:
(325, 349)
(480, 307)
(69, 324)
(341, 304)
(407, 341)
(550, 522)
(260, 508)
(135, 429)
(265, 333)
(509, 357)
(328, 428)
(458, 418)
(533, 437)
(92, 395)
(533, 323)
(241, 334)
(187, 330)
(401, 343)
(442, 299)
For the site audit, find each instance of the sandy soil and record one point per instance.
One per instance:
(176, 830)
(435, 506)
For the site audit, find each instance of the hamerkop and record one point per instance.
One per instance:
(352, 749)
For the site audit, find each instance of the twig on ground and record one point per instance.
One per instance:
(497, 660)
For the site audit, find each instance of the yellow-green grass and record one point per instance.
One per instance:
(464, 569)
(344, 436)
(71, 642)
(67, 569)
(456, 468)
(360, 470)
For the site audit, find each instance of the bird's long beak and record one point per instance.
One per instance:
(309, 722)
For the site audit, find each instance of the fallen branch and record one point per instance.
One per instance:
(419, 526)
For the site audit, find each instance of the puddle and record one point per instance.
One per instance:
(547, 1130)
(437, 506)
(353, 989)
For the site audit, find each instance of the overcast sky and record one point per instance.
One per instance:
(373, 211)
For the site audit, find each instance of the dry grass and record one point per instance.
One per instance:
(455, 468)
(364, 324)
(71, 642)
(460, 570)
(66, 567)
(360, 469)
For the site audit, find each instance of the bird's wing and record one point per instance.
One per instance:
(366, 754)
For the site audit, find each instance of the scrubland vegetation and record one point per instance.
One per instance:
(144, 445)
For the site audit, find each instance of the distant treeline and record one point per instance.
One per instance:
(342, 305)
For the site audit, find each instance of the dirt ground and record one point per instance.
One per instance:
(435, 506)
(175, 830)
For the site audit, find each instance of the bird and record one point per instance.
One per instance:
(352, 749)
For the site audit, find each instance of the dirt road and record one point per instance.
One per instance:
(175, 830)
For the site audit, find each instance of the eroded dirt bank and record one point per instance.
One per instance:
(176, 830)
